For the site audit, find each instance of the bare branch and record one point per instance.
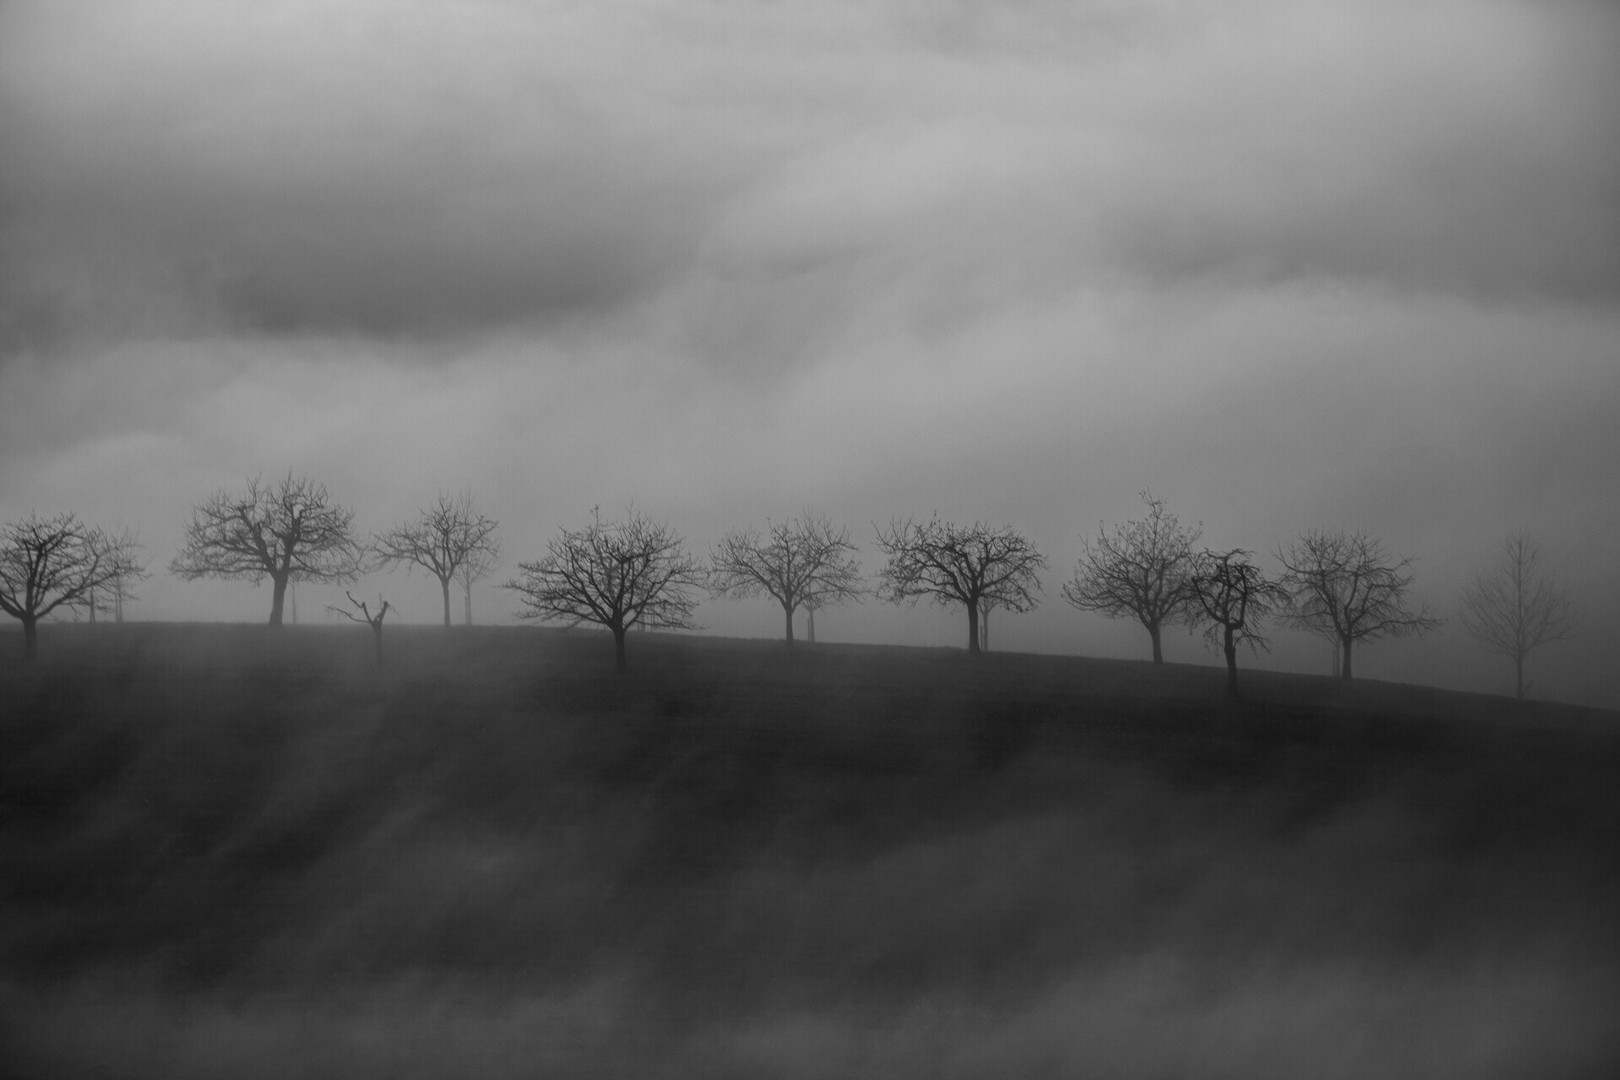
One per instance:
(59, 562)
(1233, 596)
(1346, 587)
(290, 530)
(805, 561)
(1142, 570)
(955, 564)
(449, 539)
(365, 616)
(1515, 607)
(615, 574)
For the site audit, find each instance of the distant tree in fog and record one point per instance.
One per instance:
(281, 531)
(360, 613)
(986, 605)
(121, 587)
(1345, 585)
(476, 568)
(959, 564)
(56, 563)
(805, 561)
(444, 539)
(617, 574)
(1515, 607)
(1231, 596)
(1142, 570)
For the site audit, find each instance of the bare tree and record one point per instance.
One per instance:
(443, 539)
(360, 613)
(1232, 596)
(476, 568)
(957, 564)
(805, 561)
(1142, 569)
(59, 562)
(1345, 585)
(289, 529)
(1515, 607)
(618, 574)
(121, 586)
(812, 604)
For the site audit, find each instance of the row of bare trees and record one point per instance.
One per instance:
(1343, 586)
(60, 562)
(293, 530)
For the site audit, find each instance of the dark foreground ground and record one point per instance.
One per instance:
(230, 852)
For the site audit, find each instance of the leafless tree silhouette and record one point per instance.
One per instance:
(618, 574)
(958, 564)
(289, 529)
(360, 613)
(1232, 595)
(805, 561)
(1516, 607)
(1346, 585)
(55, 563)
(1142, 569)
(121, 586)
(476, 568)
(445, 538)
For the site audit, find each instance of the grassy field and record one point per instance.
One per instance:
(231, 851)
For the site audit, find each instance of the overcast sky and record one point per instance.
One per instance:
(1286, 263)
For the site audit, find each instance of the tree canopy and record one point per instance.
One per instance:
(1231, 596)
(805, 561)
(1516, 607)
(284, 530)
(617, 574)
(1142, 569)
(448, 539)
(1344, 585)
(59, 562)
(959, 564)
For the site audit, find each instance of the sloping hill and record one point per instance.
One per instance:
(233, 851)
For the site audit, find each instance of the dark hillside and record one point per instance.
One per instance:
(230, 851)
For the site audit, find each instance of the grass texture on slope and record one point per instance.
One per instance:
(236, 851)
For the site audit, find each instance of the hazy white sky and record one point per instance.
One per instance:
(1288, 263)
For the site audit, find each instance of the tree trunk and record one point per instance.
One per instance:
(1231, 664)
(789, 612)
(1158, 646)
(810, 624)
(973, 627)
(1518, 676)
(376, 635)
(30, 637)
(468, 600)
(984, 629)
(618, 647)
(278, 598)
(445, 582)
(1344, 669)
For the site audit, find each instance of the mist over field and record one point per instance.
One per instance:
(245, 852)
